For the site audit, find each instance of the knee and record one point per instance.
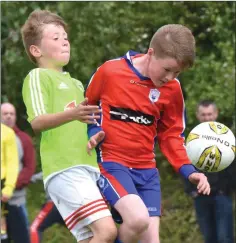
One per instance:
(107, 235)
(138, 224)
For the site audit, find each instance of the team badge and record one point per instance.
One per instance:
(154, 95)
(70, 105)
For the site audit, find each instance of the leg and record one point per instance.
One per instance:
(204, 206)
(135, 218)
(77, 198)
(117, 185)
(17, 224)
(4, 233)
(152, 233)
(149, 190)
(224, 219)
(100, 229)
(25, 211)
(46, 217)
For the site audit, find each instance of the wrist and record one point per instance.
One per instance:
(70, 114)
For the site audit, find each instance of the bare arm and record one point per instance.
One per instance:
(82, 112)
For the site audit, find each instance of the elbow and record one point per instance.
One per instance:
(36, 126)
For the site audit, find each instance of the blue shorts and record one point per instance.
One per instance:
(117, 181)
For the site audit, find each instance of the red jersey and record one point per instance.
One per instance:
(135, 114)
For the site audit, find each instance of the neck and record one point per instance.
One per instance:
(51, 66)
(141, 64)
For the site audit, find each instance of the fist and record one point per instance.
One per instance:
(201, 181)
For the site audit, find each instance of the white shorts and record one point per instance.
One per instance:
(78, 199)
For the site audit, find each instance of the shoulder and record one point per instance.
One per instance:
(109, 65)
(37, 78)
(173, 86)
(38, 73)
(78, 84)
(7, 131)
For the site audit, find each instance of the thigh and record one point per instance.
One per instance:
(17, 224)
(132, 209)
(115, 182)
(150, 191)
(151, 235)
(78, 199)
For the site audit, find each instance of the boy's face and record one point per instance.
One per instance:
(54, 47)
(160, 70)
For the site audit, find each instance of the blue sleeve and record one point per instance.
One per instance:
(93, 129)
(186, 170)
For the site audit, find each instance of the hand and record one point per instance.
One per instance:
(86, 113)
(94, 141)
(4, 198)
(201, 181)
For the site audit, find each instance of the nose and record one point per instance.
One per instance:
(65, 43)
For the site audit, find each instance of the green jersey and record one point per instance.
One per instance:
(47, 91)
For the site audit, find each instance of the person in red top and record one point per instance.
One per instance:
(18, 229)
(142, 103)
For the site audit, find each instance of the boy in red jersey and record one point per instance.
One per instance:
(142, 103)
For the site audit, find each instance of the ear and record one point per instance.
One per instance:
(150, 51)
(35, 51)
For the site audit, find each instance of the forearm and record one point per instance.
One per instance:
(175, 153)
(49, 121)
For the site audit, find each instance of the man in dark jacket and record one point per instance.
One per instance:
(215, 212)
(17, 222)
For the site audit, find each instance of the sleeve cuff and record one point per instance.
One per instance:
(187, 170)
(93, 130)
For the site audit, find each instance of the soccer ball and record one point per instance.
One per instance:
(211, 146)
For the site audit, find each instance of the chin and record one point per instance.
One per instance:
(64, 62)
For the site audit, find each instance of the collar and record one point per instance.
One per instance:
(128, 57)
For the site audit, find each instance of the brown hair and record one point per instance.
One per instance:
(33, 28)
(175, 41)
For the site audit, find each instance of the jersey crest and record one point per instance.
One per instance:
(154, 95)
(70, 105)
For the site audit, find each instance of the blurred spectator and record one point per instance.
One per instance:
(18, 229)
(9, 173)
(214, 212)
(48, 216)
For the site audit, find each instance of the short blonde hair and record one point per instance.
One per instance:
(32, 30)
(175, 41)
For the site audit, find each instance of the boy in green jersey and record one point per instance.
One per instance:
(56, 107)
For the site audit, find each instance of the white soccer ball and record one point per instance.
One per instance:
(211, 146)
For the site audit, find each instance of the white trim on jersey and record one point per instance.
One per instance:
(183, 113)
(36, 93)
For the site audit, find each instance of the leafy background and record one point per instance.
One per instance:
(105, 30)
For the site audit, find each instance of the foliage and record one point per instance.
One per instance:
(106, 30)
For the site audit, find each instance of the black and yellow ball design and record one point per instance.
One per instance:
(218, 128)
(210, 159)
